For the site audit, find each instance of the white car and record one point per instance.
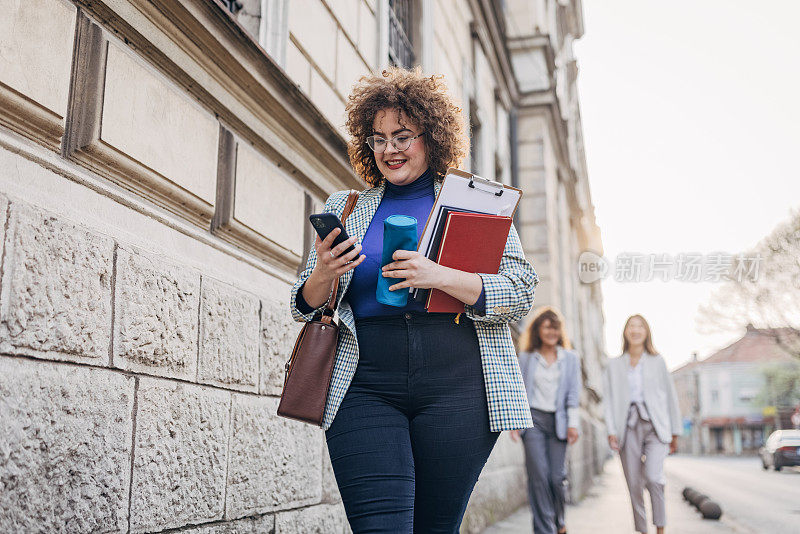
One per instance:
(782, 449)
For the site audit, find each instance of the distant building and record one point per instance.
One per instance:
(718, 396)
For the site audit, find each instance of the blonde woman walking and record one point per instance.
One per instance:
(643, 419)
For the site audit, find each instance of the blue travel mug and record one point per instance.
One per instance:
(399, 233)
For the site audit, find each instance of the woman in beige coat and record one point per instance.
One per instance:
(643, 418)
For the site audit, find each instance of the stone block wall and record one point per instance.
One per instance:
(556, 215)
(66, 447)
(138, 394)
(141, 395)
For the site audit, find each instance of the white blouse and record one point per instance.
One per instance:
(635, 386)
(545, 388)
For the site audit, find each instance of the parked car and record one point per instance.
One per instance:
(782, 449)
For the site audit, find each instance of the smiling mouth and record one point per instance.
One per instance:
(395, 163)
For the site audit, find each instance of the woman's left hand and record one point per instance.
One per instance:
(418, 271)
(673, 445)
(572, 435)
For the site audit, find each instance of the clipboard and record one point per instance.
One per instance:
(464, 191)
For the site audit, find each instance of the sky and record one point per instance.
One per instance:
(691, 121)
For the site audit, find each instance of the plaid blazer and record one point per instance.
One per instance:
(509, 297)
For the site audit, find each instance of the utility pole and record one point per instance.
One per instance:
(696, 438)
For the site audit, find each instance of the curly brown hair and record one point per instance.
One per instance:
(424, 100)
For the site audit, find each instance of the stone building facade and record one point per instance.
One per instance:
(556, 220)
(158, 159)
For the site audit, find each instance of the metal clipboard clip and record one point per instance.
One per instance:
(488, 183)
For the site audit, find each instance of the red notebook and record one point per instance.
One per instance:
(472, 242)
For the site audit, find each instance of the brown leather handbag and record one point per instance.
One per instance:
(310, 368)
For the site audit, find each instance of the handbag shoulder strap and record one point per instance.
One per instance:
(330, 306)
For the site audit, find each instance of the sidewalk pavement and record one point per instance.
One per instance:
(606, 509)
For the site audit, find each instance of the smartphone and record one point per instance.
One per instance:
(324, 223)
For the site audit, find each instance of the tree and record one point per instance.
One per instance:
(781, 389)
(781, 385)
(767, 297)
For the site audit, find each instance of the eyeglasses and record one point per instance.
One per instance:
(401, 142)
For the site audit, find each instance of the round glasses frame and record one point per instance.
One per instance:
(401, 146)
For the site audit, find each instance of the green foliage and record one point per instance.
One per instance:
(781, 385)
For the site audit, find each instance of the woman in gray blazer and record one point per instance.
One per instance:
(552, 375)
(643, 418)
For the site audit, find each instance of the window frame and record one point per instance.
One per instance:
(400, 33)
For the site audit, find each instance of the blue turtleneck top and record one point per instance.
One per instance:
(416, 200)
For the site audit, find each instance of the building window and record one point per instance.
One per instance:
(273, 29)
(232, 5)
(401, 49)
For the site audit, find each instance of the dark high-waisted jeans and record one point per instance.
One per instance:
(412, 433)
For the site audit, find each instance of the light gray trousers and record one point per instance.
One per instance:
(544, 460)
(648, 472)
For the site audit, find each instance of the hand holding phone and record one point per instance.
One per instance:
(332, 260)
(324, 223)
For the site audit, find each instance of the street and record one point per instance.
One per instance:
(752, 500)
(755, 500)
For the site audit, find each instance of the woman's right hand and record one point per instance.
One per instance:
(331, 263)
(613, 442)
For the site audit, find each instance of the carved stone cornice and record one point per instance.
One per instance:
(489, 32)
(536, 44)
(546, 102)
(133, 176)
(83, 140)
(78, 173)
(35, 68)
(225, 224)
(29, 118)
(202, 49)
(240, 235)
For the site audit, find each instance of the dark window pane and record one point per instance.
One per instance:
(232, 5)
(401, 51)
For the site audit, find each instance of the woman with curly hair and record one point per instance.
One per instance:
(417, 400)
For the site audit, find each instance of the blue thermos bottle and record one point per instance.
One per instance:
(399, 233)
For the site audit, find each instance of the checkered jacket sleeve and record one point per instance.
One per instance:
(509, 293)
(334, 204)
